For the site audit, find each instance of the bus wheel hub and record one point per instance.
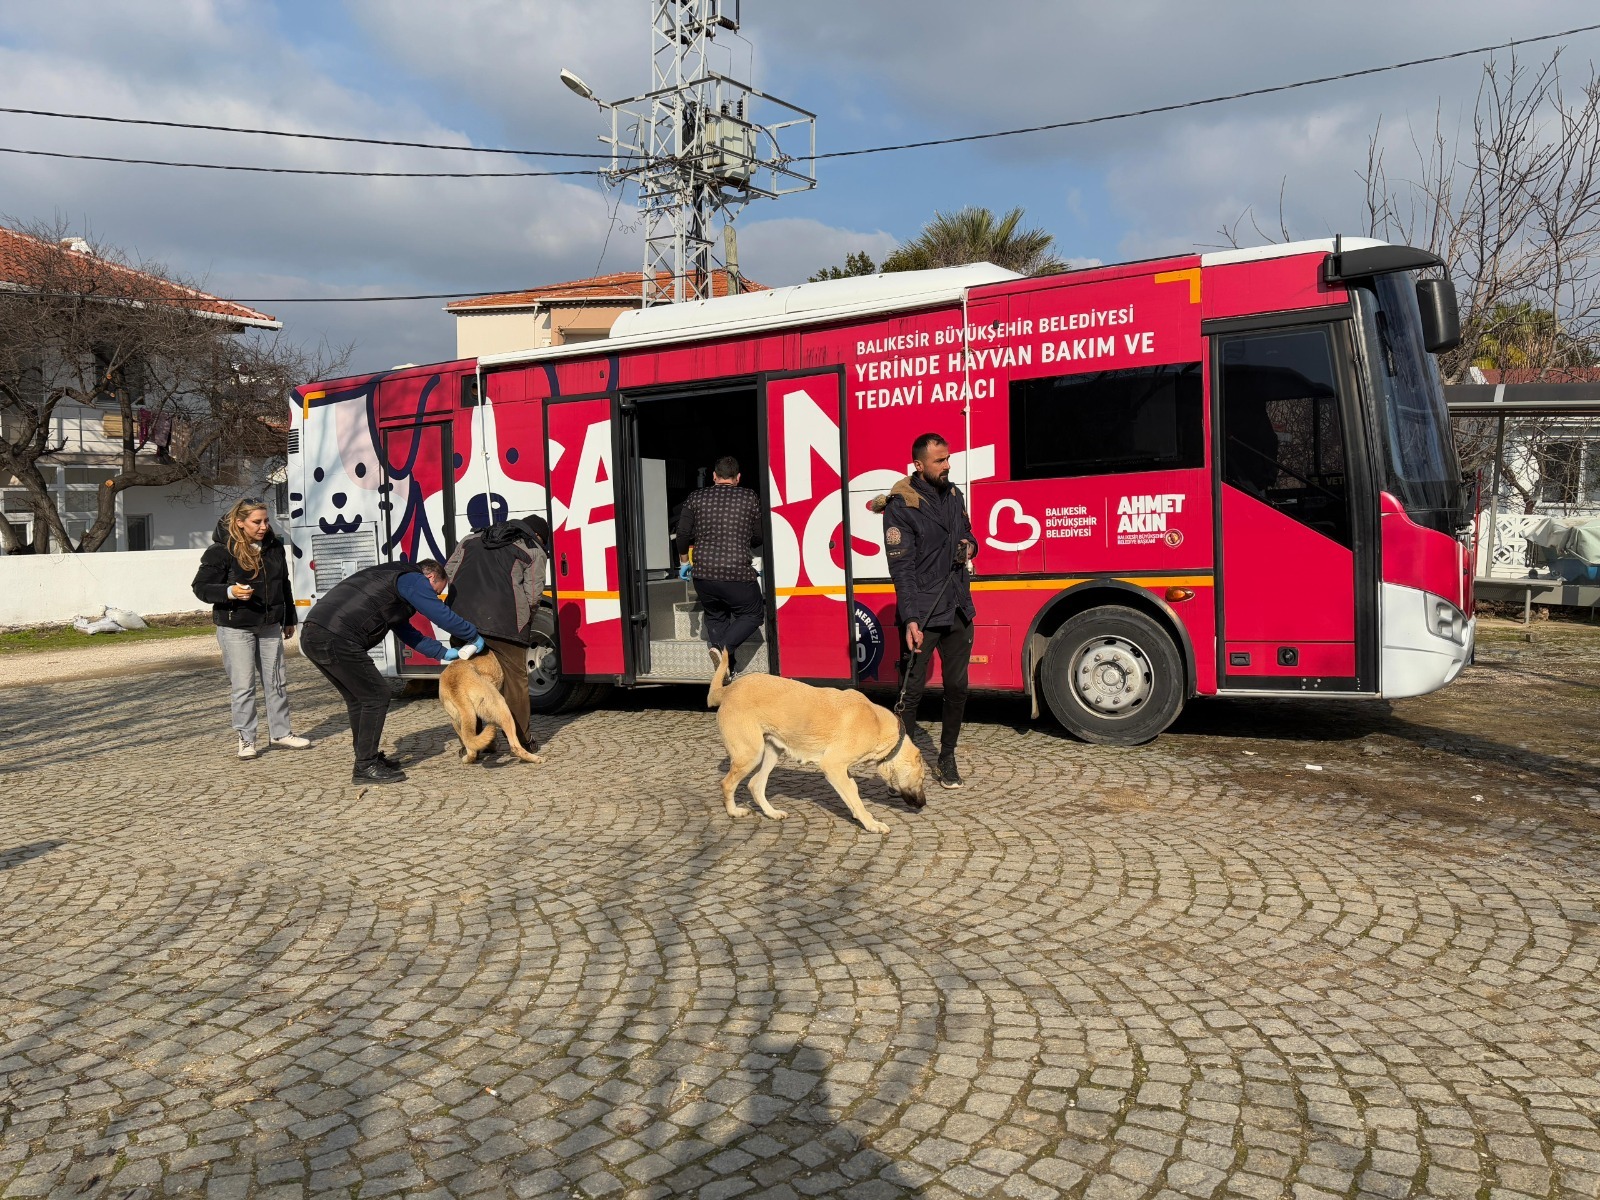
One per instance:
(1113, 676)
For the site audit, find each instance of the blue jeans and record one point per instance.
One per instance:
(248, 654)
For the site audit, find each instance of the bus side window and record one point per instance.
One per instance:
(1283, 441)
(1108, 422)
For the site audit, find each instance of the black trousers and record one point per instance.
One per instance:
(357, 679)
(954, 646)
(733, 610)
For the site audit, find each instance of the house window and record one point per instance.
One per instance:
(1108, 422)
(139, 531)
(1560, 465)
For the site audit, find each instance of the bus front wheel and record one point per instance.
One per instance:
(1113, 676)
(548, 692)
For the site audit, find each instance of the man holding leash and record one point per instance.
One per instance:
(496, 578)
(356, 616)
(928, 537)
(723, 524)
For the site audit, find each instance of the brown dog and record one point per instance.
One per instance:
(762, 717)
(469, 689)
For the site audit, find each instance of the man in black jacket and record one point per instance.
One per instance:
(496, 578)
(929, 541)
(356, 615)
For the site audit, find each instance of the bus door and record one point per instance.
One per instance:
(807, 577)
(633, 582)
(583, 514)
(1296, 585)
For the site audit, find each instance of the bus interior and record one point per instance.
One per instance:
(676, 438)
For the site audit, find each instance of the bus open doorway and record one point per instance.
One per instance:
(669, 443)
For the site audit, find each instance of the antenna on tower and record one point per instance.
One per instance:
(695, 146)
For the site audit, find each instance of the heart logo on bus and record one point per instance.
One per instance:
(1019, 520)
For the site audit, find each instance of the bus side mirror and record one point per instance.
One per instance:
(1441, 319)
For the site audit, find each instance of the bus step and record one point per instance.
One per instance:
(686, 659)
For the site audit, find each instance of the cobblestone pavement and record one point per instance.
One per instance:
(1192, 969)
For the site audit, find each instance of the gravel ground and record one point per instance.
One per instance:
(105, 656)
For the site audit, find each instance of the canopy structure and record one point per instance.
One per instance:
(1524, 399)
(1517, 400)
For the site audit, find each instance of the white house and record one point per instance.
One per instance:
(86, 441)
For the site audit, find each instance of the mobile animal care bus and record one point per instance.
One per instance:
(1222, 474)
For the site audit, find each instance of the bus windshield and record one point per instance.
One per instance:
(1419, 466)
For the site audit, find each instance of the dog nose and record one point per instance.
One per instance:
(338, 499)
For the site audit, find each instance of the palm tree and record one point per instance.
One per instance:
(975, 235)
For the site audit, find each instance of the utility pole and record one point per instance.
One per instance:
(695, 147)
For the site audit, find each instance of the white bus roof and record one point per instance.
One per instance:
(1219, 258)
(777, 308)
(837, 300)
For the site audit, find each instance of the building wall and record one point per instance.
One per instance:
(180, 516)
(585, 323)
(500, 331)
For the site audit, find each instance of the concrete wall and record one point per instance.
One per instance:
(51, 589)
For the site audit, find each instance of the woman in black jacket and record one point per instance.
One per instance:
(244, 576)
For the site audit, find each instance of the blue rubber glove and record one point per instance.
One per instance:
(686, 570)
(451, 654)
(477, 646)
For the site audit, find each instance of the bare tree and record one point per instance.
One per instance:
(1512, 205)
(1514, 211)
(192, 392)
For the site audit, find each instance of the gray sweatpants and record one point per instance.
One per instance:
(246, 653)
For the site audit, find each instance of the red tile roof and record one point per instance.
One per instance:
(27, 261)
(622, 287)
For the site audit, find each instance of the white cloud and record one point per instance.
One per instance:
(891, 70)
(789, 249)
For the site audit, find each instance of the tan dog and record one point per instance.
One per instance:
(762, 717)
(469, 689)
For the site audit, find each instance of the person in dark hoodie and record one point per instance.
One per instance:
(496, 578)
(928, 538)
(244, 576)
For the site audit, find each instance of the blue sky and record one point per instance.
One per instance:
(484, 72)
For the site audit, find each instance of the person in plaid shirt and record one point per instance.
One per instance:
(723, 524)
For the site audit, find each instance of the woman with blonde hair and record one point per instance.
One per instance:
(244, 576)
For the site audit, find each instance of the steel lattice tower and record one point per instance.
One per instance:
(694, 147)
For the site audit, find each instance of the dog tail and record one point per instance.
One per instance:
(718, 681)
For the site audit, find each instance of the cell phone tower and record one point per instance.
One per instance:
(699, 144)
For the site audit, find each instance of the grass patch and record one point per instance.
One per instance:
(65, 637)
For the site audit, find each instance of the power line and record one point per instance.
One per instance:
(203, 166)
(974, 137)
(583, 290)
(1176, 107)
(287, 133)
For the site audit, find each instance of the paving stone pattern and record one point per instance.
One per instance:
(1104, 973)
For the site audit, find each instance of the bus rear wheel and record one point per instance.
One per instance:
(1113, 676)
(547, 691)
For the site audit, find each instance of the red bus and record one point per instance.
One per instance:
(1222, 474)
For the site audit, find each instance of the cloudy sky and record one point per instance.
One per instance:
(484, 73)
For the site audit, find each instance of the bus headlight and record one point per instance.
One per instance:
(1446, 620)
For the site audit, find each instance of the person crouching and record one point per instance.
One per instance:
(356, 616)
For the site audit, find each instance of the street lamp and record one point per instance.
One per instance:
(577, 85)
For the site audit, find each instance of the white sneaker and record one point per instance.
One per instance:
(246, 749)
(292, 742)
